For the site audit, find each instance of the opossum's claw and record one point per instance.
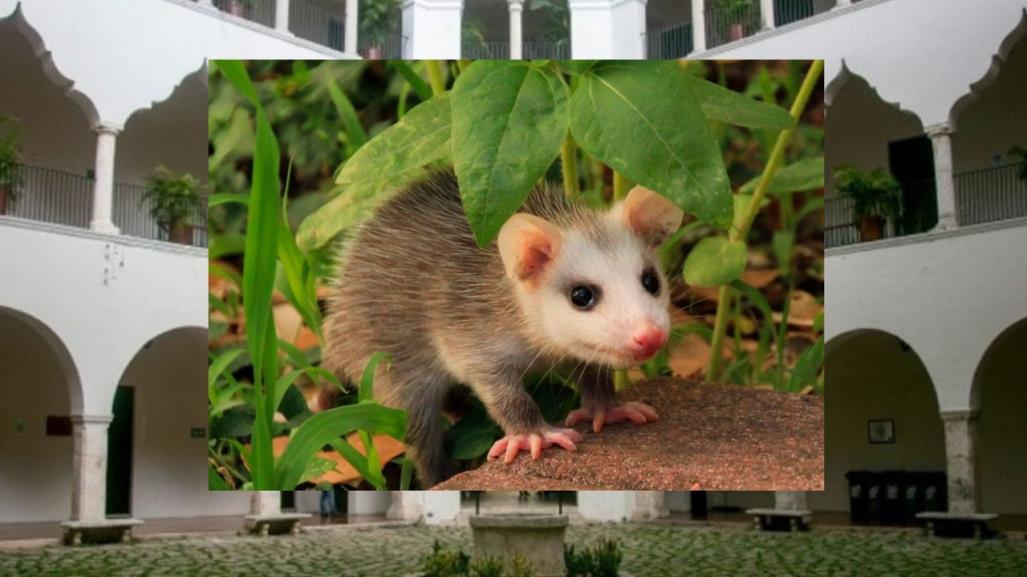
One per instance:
(510, 445)
(634, 411)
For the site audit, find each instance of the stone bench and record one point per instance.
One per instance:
(275, 524)
(99, 531)
(976, 522)
(798, 519)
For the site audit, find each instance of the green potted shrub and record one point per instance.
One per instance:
(173, 199)
(736, 11)
(1019, 155)
(472, 39)
(377, 21)
(876, 198)
(10, 155)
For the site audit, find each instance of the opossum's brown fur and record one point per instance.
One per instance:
(414, 284)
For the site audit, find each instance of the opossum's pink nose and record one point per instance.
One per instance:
(647, 341)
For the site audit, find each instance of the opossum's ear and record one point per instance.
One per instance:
(651, 215)
(528, 244)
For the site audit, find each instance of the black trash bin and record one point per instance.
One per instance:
(858, 506)
(891, 497)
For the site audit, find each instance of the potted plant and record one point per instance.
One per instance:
(1019, 155)
(472, 40)
(173, 199)
(10, 155)
(377, 22)
(736, 12)
(240, 8)
(876, 197)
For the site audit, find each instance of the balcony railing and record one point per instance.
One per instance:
(673, 41)
(730, 21)
(317, 24)
(485, 50)
(259, 11)
(788, 11)
(386, 47)
(542, 50)
(500, 50)
(990, 194)
(55, 196)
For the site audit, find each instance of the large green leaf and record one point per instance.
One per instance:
(323, 428)
(509, 120)
(725, 105)
(641, 119)
(394, 156)
(807, 174)
(807, 367)
(715, 261)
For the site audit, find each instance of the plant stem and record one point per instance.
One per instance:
(620, 192)
(438, 83)
(742, 232)
(569, 167)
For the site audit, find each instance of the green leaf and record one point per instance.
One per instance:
(725, 105)
(807, 367)
(394, 156)
(356, 136)
(316, 467)
(367, 378)
(715, 261)
(741, 205)
(782, 245)
(227, 198)
(413, 79)
(322, 428)
(754, 296)
(474, 443)
(640, 119)
(359, 462)
(220, 363)
(215, 482)
(807, 174)
(576, 66)
(509, 120)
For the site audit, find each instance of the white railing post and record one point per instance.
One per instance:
(282, 16)
(433, 28)
(516, 36)
(698, 25)
(352, 23)
(944, 184)
(103, 183)
(767, 11)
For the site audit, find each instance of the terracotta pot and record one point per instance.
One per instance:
(374, 53)
(871, 228)
(181, 234)
(237, 8)
(736, 32)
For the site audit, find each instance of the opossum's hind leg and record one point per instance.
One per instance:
(422, 395)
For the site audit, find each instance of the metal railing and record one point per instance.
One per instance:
(317, 24)
(730, 20)
(58, 197)
(667, 42)
(387, 47)
(788, 11)
(259, 11)
(990, 194)
(840, 226)
(486, 50)
(546, 50)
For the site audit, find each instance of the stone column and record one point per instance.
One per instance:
(607, 28)
(941, 141)
(431, 29)
(282, 16)
(103, 185)
(790, 501)
(441, 507)
(767, 13)
(649, 505)
(516, 38)
(406, 506)
(698, 26)
(350, 44)
(961, 460)
(89, 475)
(265, 503)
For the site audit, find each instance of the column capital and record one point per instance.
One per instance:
(104, 127)
(960, 415)
(942, 128)
(91, 419)
(515, 4)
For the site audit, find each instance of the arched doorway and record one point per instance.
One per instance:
(39, 388)
(881, 415)
(157, 446)
(1000, 397)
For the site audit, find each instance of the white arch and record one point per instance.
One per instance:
(60, 352)
(995, 67)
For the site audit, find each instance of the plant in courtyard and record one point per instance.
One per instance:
(377, 22)
(737, 12)
(443, 562)
(173, 199)
(10, 155)
(602, 559)
(472, 36)
(876, 198)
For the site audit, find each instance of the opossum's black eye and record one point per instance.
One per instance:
(651, 281)
(583, 297)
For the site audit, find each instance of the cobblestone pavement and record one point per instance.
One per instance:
(649, 551)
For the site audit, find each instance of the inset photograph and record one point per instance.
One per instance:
(516, 275)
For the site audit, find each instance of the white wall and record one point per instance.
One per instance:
(169, 467)
(606, 505)
(368, 502)
(32, 386)
(871, 377)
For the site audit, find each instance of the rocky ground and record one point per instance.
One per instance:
(649, 551)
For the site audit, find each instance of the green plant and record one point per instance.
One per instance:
(1019, 154)
(579, 563)
(472, 34)
(172, 198)
(487, 567)
(10, 156)
(556, 23)
(874, 192)
(735, 9)
(377, 20)
(519, 567)
(445, 563)
(607, 558)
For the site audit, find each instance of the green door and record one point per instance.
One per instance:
(119, 454)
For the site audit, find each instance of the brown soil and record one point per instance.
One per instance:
(709, 437)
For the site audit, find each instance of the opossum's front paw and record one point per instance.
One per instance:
(638, 413)
(510, 445)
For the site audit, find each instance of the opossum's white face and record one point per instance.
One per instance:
(596, 294)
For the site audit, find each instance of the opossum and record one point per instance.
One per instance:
(561, 283)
